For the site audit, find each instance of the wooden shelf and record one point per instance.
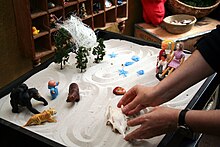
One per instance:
(36, 13)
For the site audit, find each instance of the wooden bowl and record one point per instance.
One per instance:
(174, 25)
(178, 7)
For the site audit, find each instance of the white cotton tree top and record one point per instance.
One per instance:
(82, 34)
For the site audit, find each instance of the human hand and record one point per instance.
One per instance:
(137, 98)
(159, 121)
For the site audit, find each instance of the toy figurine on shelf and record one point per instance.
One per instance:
(108, 4)
(22, 95)
(54, 20)
(82, 11)
(120, 2)
(35, 31)
(96, 7)
(51, 5)
(53, 90)
(175, 61)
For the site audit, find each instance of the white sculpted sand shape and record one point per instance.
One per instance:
(117, 120)
(84, 123)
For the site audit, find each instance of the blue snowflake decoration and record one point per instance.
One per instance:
(123, 72)
(112, 55)
(135, 58)
(140, 72)
(128, 63)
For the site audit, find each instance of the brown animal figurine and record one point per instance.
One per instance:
(73, 95)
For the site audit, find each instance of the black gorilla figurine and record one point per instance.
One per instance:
(22, 96)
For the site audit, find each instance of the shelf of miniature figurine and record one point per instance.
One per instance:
(81, 1)
(38, 14)
(41, 54)
(41, 33)
(111, 15)
(71, 10)
(70, 3)
(100, 12)
(121, 19)
(123, 3)
(110, 8)
(122, 11)
(88, 22)
(87, 17)
(55, 9)
(99, 20)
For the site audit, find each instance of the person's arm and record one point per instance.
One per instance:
(194, 69)
(209, 121)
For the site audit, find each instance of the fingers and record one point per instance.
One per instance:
(136, 121)
(127, 98)
(136, 110)
(133, 135)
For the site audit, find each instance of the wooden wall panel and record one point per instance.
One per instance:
(13, 63)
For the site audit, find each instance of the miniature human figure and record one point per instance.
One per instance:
(162, 64)
(165, 45)
(176, 60)
(53, 90)
(83, 13)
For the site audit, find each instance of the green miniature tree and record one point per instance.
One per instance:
(81, 56)
(63, 45)
(99, 51)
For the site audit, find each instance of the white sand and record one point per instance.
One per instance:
(84, 123)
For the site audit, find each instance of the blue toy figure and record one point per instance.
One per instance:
(53, 90)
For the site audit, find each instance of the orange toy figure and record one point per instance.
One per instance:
(175, 61)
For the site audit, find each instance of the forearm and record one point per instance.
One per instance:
(193, 70)
(209, 121)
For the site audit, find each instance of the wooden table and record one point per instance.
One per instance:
(158, 34)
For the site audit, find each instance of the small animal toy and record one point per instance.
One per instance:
(53, 89)
(119, 90)
(73, 95)
(21, 96)
(45, 116)
(35, 31)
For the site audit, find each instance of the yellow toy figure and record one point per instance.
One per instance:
(35, 31)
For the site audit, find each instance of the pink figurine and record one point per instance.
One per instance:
(176, 60)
